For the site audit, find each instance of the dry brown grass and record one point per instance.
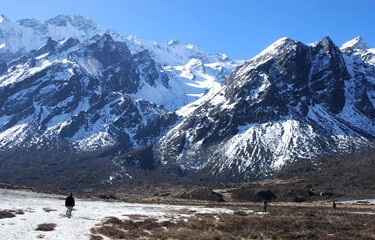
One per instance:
(240, 213)
(280, 223)
(136, 216)
(112, 220)
(111, 231)
(46, 227)
(96, 237)
(18, 211)
(6, 214)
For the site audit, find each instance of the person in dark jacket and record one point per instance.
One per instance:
(265, 206)
(334, 205)
(69, 204)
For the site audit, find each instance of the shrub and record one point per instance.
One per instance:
(46, 227)
(6, 214)
(113, 220)
(109, 231)
(96, 237)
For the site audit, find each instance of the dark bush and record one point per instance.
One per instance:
(6, 214)
(46, 227)
(266, 195)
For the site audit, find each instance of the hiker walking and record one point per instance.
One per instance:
(69, 204)
(264, 206)
(333, 205)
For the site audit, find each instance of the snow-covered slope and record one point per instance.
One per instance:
(69, 81)
(80, 94)
(189, 71)
(356, 43)
(18, 38)
(40, 208)
(192, 71)
(291, 101)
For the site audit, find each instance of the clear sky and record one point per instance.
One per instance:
(238, 28)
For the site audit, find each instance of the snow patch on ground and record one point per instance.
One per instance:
(361, 201)
(86, 215)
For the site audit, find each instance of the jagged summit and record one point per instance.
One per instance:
(326, 41)
(292, 101)
(35, 33)
(77, 21)
(3, 18)
(356, 43)
(173, 57)
(85, 83)
(173, 42)
(71, 84)
(274, 47)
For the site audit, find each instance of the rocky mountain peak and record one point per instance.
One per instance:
(355, 43)
(289, 102)
(50, 46)
(88, 89)
(30, 22)
(173, 42)
(275, 47)
(76, 21)
(327, 43)
(3, 18)
(283, 45)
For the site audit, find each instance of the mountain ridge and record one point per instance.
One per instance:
(173, 108)
(299, 97)
(189, 81)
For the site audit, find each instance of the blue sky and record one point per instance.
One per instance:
(239, 28)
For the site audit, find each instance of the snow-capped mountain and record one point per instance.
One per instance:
(69, 81)
(80, 93)
(191, 71)
(20, 37)
(292, 101)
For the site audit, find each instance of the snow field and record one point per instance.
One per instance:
(41, 208)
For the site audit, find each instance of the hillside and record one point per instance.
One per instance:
(79, 100)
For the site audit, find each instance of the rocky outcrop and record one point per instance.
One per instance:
(291, 101)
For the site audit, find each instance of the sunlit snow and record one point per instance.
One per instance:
(41, 208)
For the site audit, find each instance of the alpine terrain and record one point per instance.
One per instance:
(77, 98)
(70, 86)
(292, 101)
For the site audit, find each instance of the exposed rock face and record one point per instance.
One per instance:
(291, 101)
(70, 86)
(71, 90)
(80, 94)
(168, 75)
